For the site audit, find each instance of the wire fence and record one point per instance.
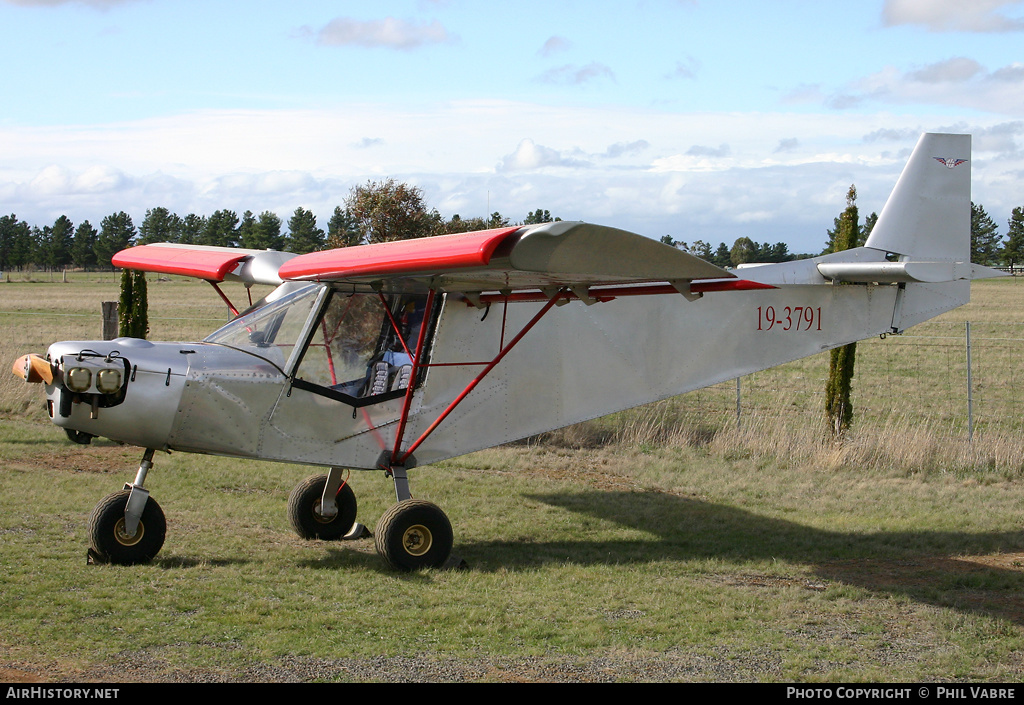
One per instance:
(959, 375)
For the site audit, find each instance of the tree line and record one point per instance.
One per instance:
(379, 212)
(990, 248)
(374, 212)
(743, 250)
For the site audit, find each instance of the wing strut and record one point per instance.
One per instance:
(231, 306)
(399, 458)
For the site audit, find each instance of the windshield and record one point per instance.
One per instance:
(271, 331)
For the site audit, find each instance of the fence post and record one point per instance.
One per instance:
(737, 403)
(109, 319)
(970, 388)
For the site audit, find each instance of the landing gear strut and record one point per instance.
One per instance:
(413, 533)
(127, 527)
(323, 507)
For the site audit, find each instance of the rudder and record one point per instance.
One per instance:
(928, 214)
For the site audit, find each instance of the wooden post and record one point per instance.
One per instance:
(109, 320)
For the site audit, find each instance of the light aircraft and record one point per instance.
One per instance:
(396, 355)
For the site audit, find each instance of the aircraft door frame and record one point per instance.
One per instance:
(363, 334)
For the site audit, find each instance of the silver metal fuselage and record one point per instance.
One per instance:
(579, 362)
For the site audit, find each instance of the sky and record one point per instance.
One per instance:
(699, 119)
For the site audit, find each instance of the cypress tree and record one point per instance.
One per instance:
(133, 306)
(838, 408)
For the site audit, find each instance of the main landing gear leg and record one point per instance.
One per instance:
(324, 507)
(414, 533)
(128, 527)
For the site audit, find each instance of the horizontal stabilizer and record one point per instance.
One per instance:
(905, 272)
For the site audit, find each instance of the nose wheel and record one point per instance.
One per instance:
(128, 527)
(111, 542)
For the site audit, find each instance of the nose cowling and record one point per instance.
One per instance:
(126, 389)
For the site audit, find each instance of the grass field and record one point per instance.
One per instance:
(669, 543)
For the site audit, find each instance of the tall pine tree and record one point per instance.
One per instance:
(303, 234)
(1013, 251)
(986, 242)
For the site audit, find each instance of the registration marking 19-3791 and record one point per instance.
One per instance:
(789, 318)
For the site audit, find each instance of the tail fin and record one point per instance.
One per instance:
(928, 214)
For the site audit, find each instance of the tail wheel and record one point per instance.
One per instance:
(304, 510)
(414, 534)
(109, 541)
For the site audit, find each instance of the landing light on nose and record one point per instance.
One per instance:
(78, 379)
(108, 381)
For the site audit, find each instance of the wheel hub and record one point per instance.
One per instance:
(122, 536)
(417, 540)
(320, 518)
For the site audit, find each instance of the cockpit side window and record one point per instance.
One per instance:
(271, 331)
(361, 349)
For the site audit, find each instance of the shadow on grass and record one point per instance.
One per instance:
(175, 562)
(921, 565)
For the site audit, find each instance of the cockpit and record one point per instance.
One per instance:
(355, 347)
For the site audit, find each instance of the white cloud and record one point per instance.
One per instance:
(530, 156)
(892, 135)
(959, 81)
(955, 70)
(572, 75)
(554, 45)
(685, 69)
(953, 15)
(368, 142)
(795, 166)
(100, 179)
(788, 144)
(621, 149)
(389, 33)
(697, 150)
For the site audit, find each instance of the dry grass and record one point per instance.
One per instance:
(900, 446)
(663, 543)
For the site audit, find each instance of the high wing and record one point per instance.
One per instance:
(214, 264)
(527, 262)
(540, 259)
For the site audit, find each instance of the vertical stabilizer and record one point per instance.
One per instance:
(928, 214)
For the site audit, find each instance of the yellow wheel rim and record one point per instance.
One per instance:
(320, 518)
(417, 540)
(123, 538)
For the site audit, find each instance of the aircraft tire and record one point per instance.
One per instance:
(414, 534)
(107, 541)
(304, 506)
